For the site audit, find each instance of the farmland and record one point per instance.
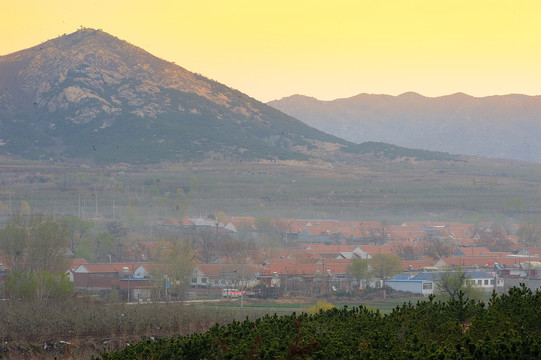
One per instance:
(470, 190)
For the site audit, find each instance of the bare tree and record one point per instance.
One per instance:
(282, 227)
(206, 242)
(437, 248)
(116, 229)
(376, 233)
(529, 232)
(494, 238)
(233, 249)
(407, 252)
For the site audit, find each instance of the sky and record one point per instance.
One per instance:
(325, 49)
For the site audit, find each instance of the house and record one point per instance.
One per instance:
(131, 278)
(426, 283)
(95, 277)
(524, 270)
(486, 281)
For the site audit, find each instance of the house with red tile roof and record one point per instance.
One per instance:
(95, 277)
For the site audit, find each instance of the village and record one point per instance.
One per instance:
(314, 258)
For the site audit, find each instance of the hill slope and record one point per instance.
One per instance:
(496, 126)
(89, 95)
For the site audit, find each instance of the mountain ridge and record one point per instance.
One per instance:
(497, 126)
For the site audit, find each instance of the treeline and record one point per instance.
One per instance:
(507, 327)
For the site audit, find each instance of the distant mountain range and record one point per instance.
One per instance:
(90, 96)
(496, 126)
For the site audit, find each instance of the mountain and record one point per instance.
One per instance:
(496, 126)
(89, 95)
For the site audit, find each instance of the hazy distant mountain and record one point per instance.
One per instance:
(90, 95)
(495, 126)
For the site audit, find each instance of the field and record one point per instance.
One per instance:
(469, 190)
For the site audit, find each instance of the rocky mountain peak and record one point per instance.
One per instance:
(90, 86)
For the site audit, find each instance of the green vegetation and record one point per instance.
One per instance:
(34, 250)
(505, 328)
(454, 281)
(384, 266)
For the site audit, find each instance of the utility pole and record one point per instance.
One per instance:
(242, 293)
(222, 282)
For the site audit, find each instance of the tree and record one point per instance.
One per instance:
(116, 229)
(494, 238)
(25, 207)
(376, 233)
(263, 223)
(174, 260)
(529, 232)
(437, 248)
(206, 241)
(407, 252)
(233, 249)
(384, 265)
(282, 227)
(14, 243)
(359, 269)
(49, 241)
(452, 281)
(181, 204)
(104, 244)
(32, 243)
(220, 216)
(34, 249)
(77, 229)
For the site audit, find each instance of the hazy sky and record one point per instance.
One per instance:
(326, 49)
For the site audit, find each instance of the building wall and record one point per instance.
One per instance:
(417, 287)
(96, 281)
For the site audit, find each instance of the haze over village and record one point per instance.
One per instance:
(178, 174)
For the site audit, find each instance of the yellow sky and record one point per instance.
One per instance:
(326, 49)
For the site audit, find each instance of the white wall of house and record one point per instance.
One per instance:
(423, 287)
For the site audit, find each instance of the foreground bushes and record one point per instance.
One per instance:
(37, 321)
(508, 327)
